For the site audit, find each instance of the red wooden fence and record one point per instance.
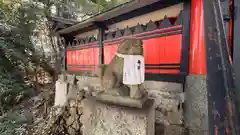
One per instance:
(162, 48)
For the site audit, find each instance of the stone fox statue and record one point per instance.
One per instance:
(111, 76)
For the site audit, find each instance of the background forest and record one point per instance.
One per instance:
(27, 46)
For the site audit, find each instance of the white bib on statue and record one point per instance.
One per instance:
(133, 69)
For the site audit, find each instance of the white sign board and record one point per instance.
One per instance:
(133, 69)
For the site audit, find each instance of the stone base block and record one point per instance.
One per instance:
(120, 100)
(106, 119)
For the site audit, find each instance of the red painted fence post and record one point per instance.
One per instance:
(197, 64)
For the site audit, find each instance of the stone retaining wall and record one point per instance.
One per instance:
(168, 98)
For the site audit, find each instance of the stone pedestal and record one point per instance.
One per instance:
(106, 119)
(124, 101)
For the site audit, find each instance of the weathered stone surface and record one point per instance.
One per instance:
(71, 131)
(85, 81)
(76, 125)
(94, 82)
(72, 92)
(70, 120)
(159, 129)
(81, 119)
(87, 91)
(73, 110)
(196, 110)
(73, 103)
(163, 86)
(161, 89)
(169, 101)
(73, 124)
(62, 78)
(170, 118)
(174, 130)
(104, 119)
(80, 104)
(61, 93)
(119, 100)
(82, 128)
(197, 132)
(80, 94)
(168, 96)
(80, 110)
(71, 79)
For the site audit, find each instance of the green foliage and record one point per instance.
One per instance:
(83, 8)
(8, 127)
(12, 83)
(13, 122)
(21, 22)
(17, 24)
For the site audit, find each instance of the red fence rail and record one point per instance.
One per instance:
(162, 43)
